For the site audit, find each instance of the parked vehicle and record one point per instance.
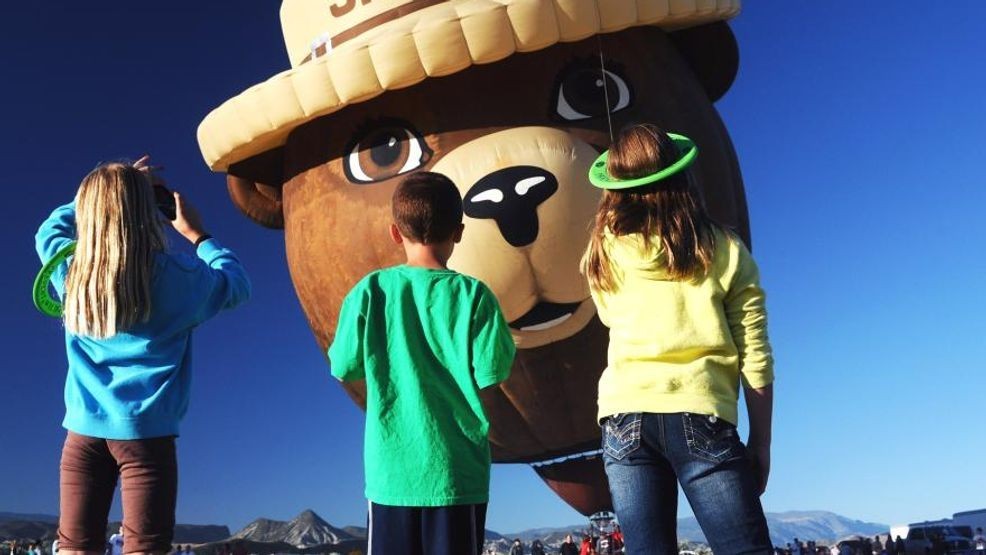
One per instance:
(964, 531)
(921, 540)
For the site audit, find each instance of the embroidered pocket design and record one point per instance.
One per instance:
(710, 438)
(621, 434)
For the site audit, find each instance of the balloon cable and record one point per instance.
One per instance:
(605, 82)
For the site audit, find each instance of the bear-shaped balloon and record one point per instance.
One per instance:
(513, 100)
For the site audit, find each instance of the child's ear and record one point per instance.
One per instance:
(458, 233)
(395, 234)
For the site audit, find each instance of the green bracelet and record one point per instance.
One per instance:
(42, 298)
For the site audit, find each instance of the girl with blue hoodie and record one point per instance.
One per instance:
(129, 311)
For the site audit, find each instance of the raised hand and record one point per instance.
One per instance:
(187, 220)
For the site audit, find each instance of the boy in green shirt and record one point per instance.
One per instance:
(426, 339)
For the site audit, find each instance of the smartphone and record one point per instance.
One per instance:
(165, 201)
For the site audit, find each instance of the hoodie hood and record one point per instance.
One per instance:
(631, 255)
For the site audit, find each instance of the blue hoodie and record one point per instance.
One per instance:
(135, 385)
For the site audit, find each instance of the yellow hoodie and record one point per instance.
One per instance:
(682, 346)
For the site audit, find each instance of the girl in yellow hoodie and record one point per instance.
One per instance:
(682, 299)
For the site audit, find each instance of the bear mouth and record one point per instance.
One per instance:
(544, 316)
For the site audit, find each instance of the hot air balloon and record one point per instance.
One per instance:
(512, 99)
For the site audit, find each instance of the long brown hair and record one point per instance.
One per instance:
(670, 212)
(108, 288)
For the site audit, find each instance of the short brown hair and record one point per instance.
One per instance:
(427, 208)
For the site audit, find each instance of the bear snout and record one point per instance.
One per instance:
(528, 205)
(510, 197)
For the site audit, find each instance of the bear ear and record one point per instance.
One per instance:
(712, 53)
(255, 187)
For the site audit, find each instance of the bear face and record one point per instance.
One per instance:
(517, 137)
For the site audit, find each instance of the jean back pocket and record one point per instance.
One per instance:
(711, 438)
(621, 434)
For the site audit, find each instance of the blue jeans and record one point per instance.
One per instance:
(647, 454)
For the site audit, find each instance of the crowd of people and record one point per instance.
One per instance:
(858, 546)
(590, 544)
(935, 544)
(26, 548)
(51, 548)
(114, 546)
(855, 546)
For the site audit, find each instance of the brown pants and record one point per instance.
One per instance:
(148, 471)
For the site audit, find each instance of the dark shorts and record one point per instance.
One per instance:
(148, 472)
(453, 530)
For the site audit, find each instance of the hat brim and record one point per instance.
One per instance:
(432, 42)
(600, 178)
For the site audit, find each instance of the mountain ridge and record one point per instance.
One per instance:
(783, 526)
(28, 527)
(305, 530)
(308, 530)
(28, 517)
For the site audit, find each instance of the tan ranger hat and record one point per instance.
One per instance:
(348, 51)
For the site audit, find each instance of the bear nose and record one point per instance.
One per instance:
(511, 197)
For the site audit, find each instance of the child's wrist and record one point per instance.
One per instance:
(755, 442)
(195, 236)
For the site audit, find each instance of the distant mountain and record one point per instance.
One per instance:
(29, 517)
(28, 530)
(306, 530)
(45, 527)
(356, 531)
(804, 525)
(784, 527)
(189, 533)
(818, 525)
(548, 536)
(308, 533)
(262, 530)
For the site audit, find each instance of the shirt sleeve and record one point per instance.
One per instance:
(493, 347)
(599, 299)
(599, 296)
(56, 233)
(221, 283)
(346, 351)
(746, 314)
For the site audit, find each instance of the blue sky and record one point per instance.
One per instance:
(859, 130)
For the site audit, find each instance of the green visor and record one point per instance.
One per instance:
(599, 177)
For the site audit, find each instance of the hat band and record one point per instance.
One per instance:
(325, 47)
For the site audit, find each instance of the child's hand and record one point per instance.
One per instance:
(152, 172)
(187, 220)
(760, 405)
(760, 458)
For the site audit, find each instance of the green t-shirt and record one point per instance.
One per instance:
(426, 341)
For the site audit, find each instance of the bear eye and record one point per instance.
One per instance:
(385, 151)
(583, 92)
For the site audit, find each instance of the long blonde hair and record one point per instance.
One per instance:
(670, 212)
(108, 288)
